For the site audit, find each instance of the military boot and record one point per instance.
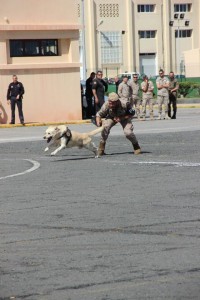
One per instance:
(151, 117)
(159, 116)
(166, 117)
(101, 148)
(137, 149)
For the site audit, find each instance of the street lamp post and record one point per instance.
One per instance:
(180, 20)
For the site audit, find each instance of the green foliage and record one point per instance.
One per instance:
(189, 87)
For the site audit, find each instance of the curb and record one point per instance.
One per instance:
(46, 124)
(192, 105)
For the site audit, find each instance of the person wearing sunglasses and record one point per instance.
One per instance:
(135, 86)
(162, 84)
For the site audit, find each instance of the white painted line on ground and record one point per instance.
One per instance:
(172, 163)
(36, 165)
(19, 139)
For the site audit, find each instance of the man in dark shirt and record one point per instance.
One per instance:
(14, 96)
(99, 87)
(89, 96)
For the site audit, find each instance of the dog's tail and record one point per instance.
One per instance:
(99, 129)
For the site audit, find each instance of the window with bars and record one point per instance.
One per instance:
(33, 48)
(111, 47)
(109, 10)
(182, 7)
(183, 33)
(146, 8)
(147, 34)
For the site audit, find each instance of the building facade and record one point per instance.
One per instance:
(39, 42)
(138, 35)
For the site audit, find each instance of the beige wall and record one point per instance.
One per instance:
(51, 83)
(169, 51)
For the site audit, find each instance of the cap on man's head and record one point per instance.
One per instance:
(125, 76)
(144, 76)
(113, 97)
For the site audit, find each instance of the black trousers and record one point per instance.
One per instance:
(172, 101)
(13, 103)
(90, 107)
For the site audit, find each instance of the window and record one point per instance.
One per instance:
(182, 7)
(183, 33)
(146, 8)
(111, 47)
(147, 34)
(33, 48)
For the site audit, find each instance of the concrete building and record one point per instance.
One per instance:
(39, 42)
(135, 35)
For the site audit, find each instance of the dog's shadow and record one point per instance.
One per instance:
(78, 158)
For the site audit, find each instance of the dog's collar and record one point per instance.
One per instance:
(67, 134)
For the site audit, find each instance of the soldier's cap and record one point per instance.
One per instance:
(125, 76)
(113, 97)
(144, 76)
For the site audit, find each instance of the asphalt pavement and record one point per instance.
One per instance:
(121, 227)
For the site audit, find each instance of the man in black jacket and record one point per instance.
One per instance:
(14, 96)
(89, 96)
(99, 87)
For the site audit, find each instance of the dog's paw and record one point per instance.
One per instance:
(96, 156)
(46, 149)
(53, 153)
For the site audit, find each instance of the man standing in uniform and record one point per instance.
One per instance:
(125, 91)
(14, 97)
(173, 88)
(115, 112)
(162, 84)
(99, 87)
(134, 84)
(117, 83)
(147, 97)
(89, 96)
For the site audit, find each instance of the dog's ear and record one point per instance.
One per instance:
(56, 128)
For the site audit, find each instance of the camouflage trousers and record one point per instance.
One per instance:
(147, 101)
(162, 100)
(126, 125)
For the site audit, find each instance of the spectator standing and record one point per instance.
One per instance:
(125, 91)
(99, 87)
(89, 96)
(115, 112)
(173, 90)
(117, 83)
(162, 84)
(147, 97)
(15, 94)
(134, 84)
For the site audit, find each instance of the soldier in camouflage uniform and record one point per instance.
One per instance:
(134, 84)
(115, 112)
(125, 91)
(162, 83)
(173, 88)
(147, 97)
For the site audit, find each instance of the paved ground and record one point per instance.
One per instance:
(121, 227)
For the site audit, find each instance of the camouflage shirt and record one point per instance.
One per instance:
(162, 81)
(120, 111)
(124, 90)
(135, 87)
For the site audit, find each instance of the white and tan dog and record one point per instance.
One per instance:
(63, 137)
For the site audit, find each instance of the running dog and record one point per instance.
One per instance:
(62, 137)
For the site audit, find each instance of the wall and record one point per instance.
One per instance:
(52, 83)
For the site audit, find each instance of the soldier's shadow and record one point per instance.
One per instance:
(3, 115)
